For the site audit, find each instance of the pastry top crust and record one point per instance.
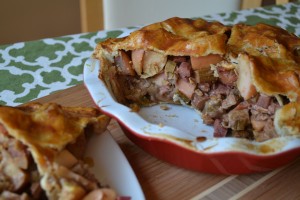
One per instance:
(274, 60)
(264, 40)
(175, 36)
(47, 128)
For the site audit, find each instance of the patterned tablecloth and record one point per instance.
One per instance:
(30, 70)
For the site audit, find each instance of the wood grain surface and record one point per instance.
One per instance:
(160, 180)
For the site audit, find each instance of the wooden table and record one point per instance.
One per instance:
(160, 180)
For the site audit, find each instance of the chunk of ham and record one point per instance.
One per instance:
(186, 88)
(205, 61)
(229, 101)
(184, 70)
(227, 76)
(244, 81)
(219, 130)
(199, 100)
(264, 101)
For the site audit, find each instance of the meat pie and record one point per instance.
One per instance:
(41, 152)
(243, 79)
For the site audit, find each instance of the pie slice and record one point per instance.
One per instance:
(239, 77)
(42, 152)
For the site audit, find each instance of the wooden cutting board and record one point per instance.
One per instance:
(160, 180)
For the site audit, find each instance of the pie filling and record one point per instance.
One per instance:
(209, 84)
(33, 165)
(20, 178)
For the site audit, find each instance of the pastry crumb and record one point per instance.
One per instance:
(164, 107)
(161, 125)
(134, 107)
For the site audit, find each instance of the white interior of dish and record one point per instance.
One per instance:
(112, 168)
(177, 121)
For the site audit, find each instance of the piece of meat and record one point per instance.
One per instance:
(205, 61)
(227, 77)
(238, 119)
(263, 101)
(166, 93)
(273, 107)
(212, 107)
(199, 100)
(229, 101)
(186, 88)
(220, 89)
(219, 130)
(184, 70)
(204, 87)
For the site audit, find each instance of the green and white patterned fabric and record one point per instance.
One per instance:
(30, 70)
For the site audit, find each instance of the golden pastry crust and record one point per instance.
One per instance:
(175, 36)
(55, 138)
(272, 55)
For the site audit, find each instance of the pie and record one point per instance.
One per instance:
(244, 79)
(42, 152)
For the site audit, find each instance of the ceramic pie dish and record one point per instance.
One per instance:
(176, 134)
(232, 89)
